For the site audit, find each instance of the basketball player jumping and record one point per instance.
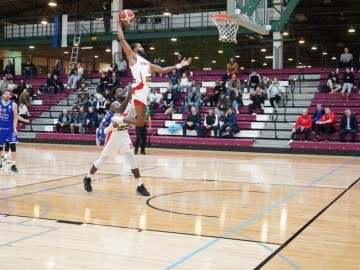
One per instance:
(141, 70)
(118, 140)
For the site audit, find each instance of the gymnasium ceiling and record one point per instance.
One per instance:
(317, 21)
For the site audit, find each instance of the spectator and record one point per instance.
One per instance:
(91, 120)
(154, 100)
(211, 122)
(174, 79)
(122, 66)
(23, 111)
(9, 69)
(63, 121)
(78, 77)
(4, 84)
(348, 124)
(346, 60)
(231, 68)
(326, 124)
(216, 93)
(349, 80)
(79, 121)
(59, 86)
(184, 83)
(274, 93)
(113, 82)
(333, 81)
(58, 68)
(25, 98)
(258, 99)
(29, 70)
(48, 86)
(194, 84)
(302, 125)
(158, 62)
(317, 115)
(102, 85)
(101, 105)
(235, 95)
(265, 83)
(92, 102)
(81, 101)
(106, 7)
(223, 105)
(193, 100)
(18, 91)
(230, 124)
(168, 100)
(113, 69)
(192, 122)
(11, 86)
(253, 82)
(83, 89)
(72, 75)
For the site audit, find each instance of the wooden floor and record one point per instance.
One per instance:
(207, 210)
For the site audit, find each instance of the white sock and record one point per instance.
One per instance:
(89, 175)
(6, 156)
(139, 182)
(13, 163)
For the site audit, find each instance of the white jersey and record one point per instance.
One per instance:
(141, 72)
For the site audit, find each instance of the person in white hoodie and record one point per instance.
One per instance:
(274, 93)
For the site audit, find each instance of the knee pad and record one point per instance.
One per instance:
(131, 160)
(13, 147)
(100, 161)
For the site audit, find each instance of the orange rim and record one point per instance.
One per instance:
(223, 17)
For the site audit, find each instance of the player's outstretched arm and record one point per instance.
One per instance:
(158, 69)
(131, 56)
(15, 108)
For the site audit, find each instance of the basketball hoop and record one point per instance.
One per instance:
(227, 28)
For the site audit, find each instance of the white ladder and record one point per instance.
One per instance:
(76, 46)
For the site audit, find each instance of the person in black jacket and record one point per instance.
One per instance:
(168, 99)
(333, 81)
(258, 99)
(102, 85)
(348, 124)
(216, 93)
(192, 122)
(349, 80)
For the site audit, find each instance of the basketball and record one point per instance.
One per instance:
(126, 16)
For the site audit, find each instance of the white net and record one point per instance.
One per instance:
(227, 29)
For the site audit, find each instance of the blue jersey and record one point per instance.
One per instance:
(100, 136)
(7, 116)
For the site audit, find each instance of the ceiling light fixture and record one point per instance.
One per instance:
(314, 48)
(87, 48)
(196, 57)
(285, 33)
(301, 41)
(44, 21)
(290, 59)
(176, 53)
(237, 56)
(166, 13)
(66, 52)
(108, 50)
(324, 53)
(52, 3)
(263, 50)
(173, 39)
(269, 57)
(220, 51)
(96, 56)
(351, 30)
(152, 48)
(31, 47)
(213, 61)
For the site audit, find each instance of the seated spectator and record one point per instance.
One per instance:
(258, 99)
(23, 111)
(113, 82)
(101, 105)
(302, 125)
(265, 83)
(193, 121)
(231, 68)
(211, 122)
(174, 79)
(326, 124)
(333, 81)
(235, 95)
(108, 96)
(71, 75)
(346, 60)
(102, 85)
(216, 93)
(154, 101)
(122, 66)
(92, 102)
(11, 86)
(317, 115)
(64, 120)
(79, 75)
(274, 93)
(348, 124)
(168, 99)
(230, 124)
(253, 82)
(79, 102)
(48, 86)
(194, 84)
(113, 69)
(184, 83)
(4, 84)
(193, 100)
(223, 105)
(59, 86)
(91, 120)
(29, 70)
(25, 98)
(58, 68)
(31, 90)
(79, 121)
(18, 91)
(83, 89)
(9, 69)
(349, 80)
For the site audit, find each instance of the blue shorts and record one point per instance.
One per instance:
(6, 134)
(14, 138)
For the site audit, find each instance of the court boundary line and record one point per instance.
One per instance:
(296, 234)
(261, 213)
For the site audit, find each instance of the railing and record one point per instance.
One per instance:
(274, 118)
(285, 102)
(292, 89)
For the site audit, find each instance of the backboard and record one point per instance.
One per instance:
(251, 14)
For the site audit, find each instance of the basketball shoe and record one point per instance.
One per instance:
(142, 190)
(14, 169)
(87, 184)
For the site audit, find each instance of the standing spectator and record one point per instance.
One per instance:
(302, 125)
(253, 82)
(29, 70)
(141, 134)
(9, 69)
(223, 105)
(184, 83)
(274, 93)
(59, 86)
(235, 95)
(106, 7)
(348, 124)
(265, 83)
(63, 121)
(122, 66)
(193, 121)
(258, 99)
(91, 120)
(333, 81)
(231, 68)
(58, 68)
(211, 122)
(349, 80)
(102, 85)
(230, 124)
(317, 115)
(154, 99)
(326, 124)
(174, 79)
(71, 75)
(79, 121)
(78, 77)
(193, 100)
(346, 60)
(168, 99)
(216, 93)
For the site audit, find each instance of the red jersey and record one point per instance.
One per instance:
(304, 121)
(330, 116)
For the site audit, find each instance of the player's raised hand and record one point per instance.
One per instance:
(186, 62)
